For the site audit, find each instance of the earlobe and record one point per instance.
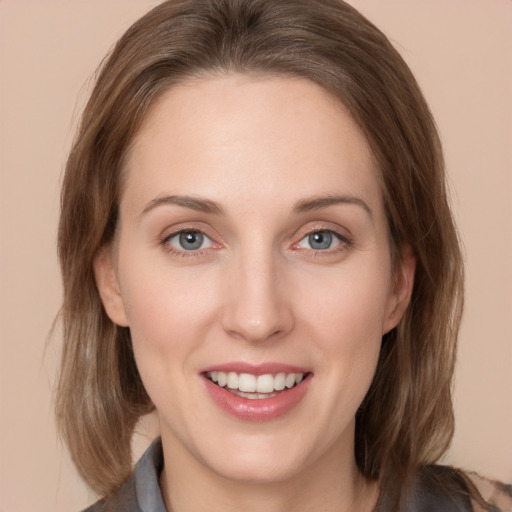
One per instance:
(108, 286)
(400, 296)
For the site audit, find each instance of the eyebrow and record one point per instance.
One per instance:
(320, 202)
(209, 206)
(193, 203)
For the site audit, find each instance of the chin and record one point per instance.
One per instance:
(245, 468)
(258, 458)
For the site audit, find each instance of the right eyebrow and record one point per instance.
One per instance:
(193, 203)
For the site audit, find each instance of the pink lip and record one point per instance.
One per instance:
(259, 409)
(256, 369)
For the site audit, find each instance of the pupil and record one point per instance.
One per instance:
(320, 241)
(191, 240)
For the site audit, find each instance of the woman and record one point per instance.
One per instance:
(264, 254)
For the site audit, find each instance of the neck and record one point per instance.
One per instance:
(332, 483)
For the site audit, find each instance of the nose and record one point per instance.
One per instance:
(259, 305)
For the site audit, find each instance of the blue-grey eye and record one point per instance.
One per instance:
(190, 241)
(320, 240)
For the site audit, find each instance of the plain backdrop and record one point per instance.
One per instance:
(461, 53)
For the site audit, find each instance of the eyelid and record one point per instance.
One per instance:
(341, 234)
(171, 232)
(335, 238)
(181, 227)
(169, 238)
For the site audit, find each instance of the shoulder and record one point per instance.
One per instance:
(141, 491)
(124, 500)
(447, 488)
(440, 488)
(497, 496)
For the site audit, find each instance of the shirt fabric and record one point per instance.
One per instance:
(141, 491)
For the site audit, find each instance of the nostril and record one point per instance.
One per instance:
(256, 311)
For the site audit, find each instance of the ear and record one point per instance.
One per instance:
(108, 286)
(400, 296)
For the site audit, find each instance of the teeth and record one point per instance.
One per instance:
(261, 384)
(290, 380)
(280, 381)
(222, 379)
(247, 383)
(265, 384)
(254, 396)
(232, 380)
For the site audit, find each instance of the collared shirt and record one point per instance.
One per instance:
(141, 491)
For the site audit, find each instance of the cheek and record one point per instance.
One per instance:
(348, 305)
(168, 311)
(344, 320)
(162, 316)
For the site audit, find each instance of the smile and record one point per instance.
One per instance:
(251, 386)
(257, 393)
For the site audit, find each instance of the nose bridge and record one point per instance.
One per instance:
(258, 307)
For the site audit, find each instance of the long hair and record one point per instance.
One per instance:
(406, 419)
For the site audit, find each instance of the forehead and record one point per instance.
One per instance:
(265, 137)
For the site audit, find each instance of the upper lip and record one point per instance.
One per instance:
(256, 369)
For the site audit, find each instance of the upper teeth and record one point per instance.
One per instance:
(249, 383)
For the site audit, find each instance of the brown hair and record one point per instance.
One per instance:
(406, 419)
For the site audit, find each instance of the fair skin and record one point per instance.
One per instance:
(252, 231)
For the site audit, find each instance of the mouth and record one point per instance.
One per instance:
(257, 392)
(255, 387)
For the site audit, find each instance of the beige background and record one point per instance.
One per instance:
(461, 52)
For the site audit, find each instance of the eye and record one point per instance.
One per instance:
(189, 240)
(320, 240)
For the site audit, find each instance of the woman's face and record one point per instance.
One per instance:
(253, 247)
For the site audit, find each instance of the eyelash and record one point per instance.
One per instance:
(344, 243)
(183, 253)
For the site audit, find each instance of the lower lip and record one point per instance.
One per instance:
(261, 409)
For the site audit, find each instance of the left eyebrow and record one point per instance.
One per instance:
(320, 202)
